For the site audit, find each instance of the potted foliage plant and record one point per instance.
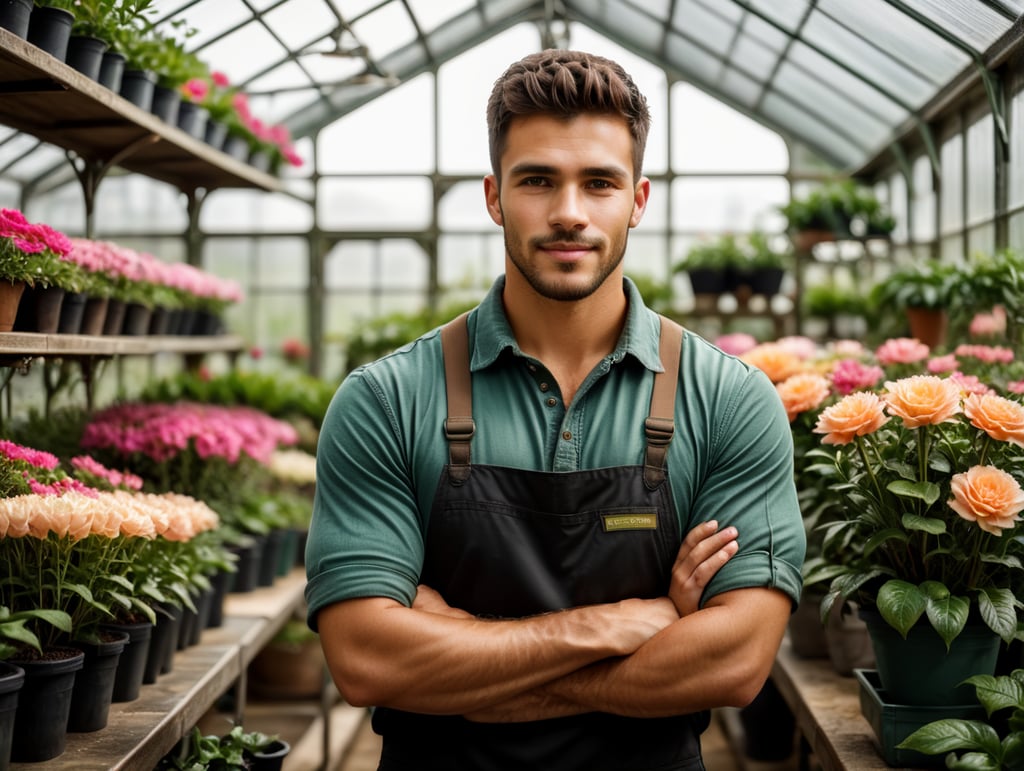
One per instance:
(711, 265)
(763, 265)
(238, 750)
(924, 293)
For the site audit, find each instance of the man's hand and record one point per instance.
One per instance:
(702, 554)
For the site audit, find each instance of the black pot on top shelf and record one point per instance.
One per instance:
(49, 29)
(166, 102)
(111, 70)
(85, 54)
(15, 15)
(137, 87)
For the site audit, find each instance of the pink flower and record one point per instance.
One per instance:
(736, 343)
(901, 350)
(988, 324)
(195, 90)
(849, 375)
(969, 384)
(940, 364)
(220, 79)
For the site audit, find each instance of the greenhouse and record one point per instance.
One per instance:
(520, 384)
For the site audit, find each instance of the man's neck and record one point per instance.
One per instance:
(569, 338)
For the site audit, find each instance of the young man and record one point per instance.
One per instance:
(496, 561)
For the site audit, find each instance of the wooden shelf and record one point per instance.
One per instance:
(46, 98)
(31, 344)
(140, 732)
(827, 710)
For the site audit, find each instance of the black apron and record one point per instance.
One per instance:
(509, 543)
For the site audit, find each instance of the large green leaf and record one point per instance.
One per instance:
(998, 610)
(997, 693)
(901, 604)
(932, 525)
(946, 612)
(950, 734)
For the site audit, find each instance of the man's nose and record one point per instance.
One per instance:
(568, 209)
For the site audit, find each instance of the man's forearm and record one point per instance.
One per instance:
(717, 657)
(384, 654)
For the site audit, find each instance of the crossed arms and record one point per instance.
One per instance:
(641, 658)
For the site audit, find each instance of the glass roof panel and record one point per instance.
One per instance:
(228, 53)
(900, 35)
(837, 147)
(431, 14)
(387, 28)
(696, 63)
(757, 59)
(772, 37)
(352, 9)
(16, 146)
(299, 23)
(788, 13)
(824, 98)
(629, 21)
(659, 8)
(849, 93)
(698, 22)
(866, 57)
(973, 22)
(210, 20)
(739, 87)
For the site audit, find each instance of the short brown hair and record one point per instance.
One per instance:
(565, 84)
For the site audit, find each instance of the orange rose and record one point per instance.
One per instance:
(802, 392)
(989, 496)
(50, 514)
(857, 414)
(1000, 418)
(923, 400)
(774, 360)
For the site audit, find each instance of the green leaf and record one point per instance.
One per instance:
(889, 534)
(995, 693)
(901, 604)
(923, 491)
(950, 734)
(972, 761)
(932, 525)
(998, 610)
(948, 615)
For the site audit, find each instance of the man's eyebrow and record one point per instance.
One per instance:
(602, 172)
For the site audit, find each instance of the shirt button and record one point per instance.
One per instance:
(544, 387)
(567, 435)
(531, 367)
(552, 401)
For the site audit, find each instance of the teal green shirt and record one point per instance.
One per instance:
(382, 449)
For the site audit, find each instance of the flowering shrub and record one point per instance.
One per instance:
(931, 479)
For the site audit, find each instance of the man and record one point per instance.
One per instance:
(496, 560)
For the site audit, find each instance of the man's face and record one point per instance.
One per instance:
(567, 202)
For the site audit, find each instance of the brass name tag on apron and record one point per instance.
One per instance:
(615, 522)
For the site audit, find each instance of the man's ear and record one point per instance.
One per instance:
(492, 195)
(640, 196)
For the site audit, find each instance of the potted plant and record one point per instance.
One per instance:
(924, 292)
(763, 265)
(711, 265)
(930, 483)
(238, 750)
(993, 280)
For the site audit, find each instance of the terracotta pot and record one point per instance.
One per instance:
(928, 325)
(10, 298)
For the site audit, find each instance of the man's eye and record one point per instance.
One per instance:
(534, 181)
(600, 184)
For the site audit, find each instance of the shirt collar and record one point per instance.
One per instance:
(493, 335)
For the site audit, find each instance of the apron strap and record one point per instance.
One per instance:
(459, 427)
(659, 426)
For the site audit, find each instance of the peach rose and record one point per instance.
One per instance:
(857, 414)
(802, 392)
(1000, 418)
(923, 400)
(989, 496)
(774, 360)
(50, 514)
(15, 514)
(81, 513)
